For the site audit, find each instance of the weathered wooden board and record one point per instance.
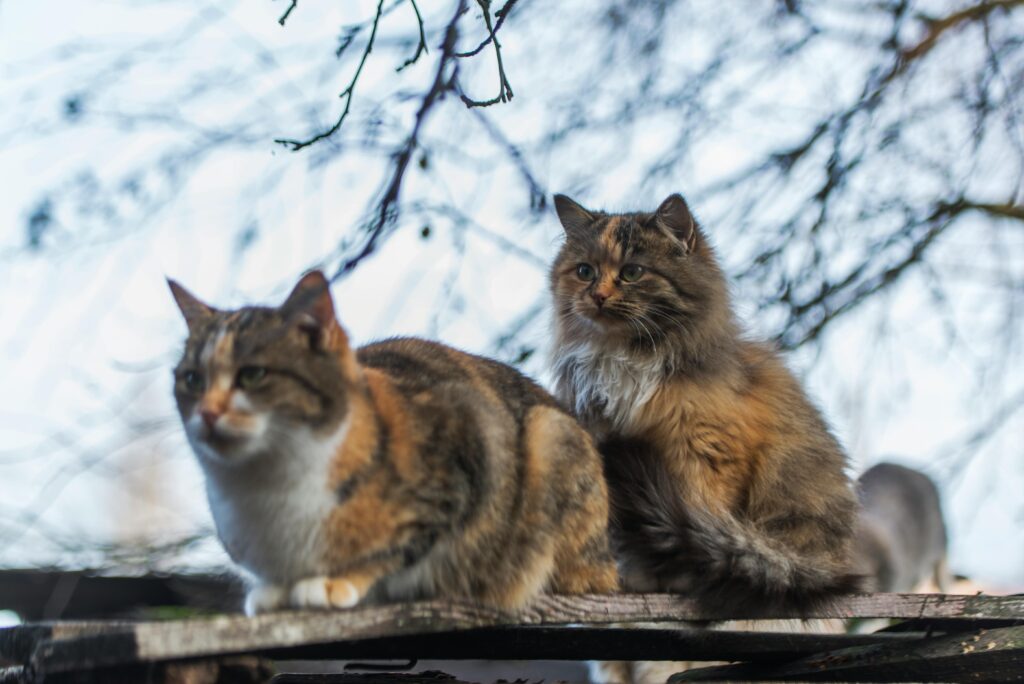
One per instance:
(71, 646)
(995, 655)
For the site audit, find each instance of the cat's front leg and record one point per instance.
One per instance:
(331, 592)
(264, 598)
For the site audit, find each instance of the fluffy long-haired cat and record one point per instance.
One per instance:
(401, 470)
(725, 481)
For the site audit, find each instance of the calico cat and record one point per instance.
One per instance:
(401, 470)
(725, 481)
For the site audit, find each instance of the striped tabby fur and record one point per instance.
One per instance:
(401, 470)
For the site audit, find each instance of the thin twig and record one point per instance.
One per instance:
(387, 210)
(347, 93)
(824, 308)
(504, 87)
(421, 48)
(500, 14)
(284, 17)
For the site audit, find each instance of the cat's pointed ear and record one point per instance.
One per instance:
(191, 307)
(574, 218)
(675, 216)
(311, 307)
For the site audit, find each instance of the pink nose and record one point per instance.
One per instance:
(599, 299)
(209, 416)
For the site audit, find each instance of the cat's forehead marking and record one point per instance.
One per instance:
(607, 238)
(216, 353)
(609, 241)
(628, 233)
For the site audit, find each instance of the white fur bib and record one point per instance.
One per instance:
(613, 384)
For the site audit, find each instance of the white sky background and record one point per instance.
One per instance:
(88, 433)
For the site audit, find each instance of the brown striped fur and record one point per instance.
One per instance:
(403, 470)
(726, 482)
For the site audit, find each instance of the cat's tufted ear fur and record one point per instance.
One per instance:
(675, 216)
(311, 307)
(191, 307)
(574, 217)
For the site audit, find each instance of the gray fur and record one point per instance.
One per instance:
(901, 538)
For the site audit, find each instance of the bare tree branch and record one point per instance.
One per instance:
(349, 91)
(938, 26)
(421, 46)
(388, 208)
(504, 87)
(501, 14)
(287, 12)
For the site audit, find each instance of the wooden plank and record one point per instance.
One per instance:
(69, 645)
(995, 655)
(583, 643)
(426, 677)
(621, 608)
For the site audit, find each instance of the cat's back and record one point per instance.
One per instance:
(901, 539)
(907, 502)
(430, 369)
(521, 478)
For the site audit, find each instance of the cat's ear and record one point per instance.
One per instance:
(192, 309)
(311, 307)
(675, 216)
(574, 218)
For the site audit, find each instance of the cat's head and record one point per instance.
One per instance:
(637, 278)
(252, 379)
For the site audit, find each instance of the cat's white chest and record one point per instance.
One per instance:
(612, 385)
(270, 515)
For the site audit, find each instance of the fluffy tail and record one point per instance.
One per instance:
(722, 562)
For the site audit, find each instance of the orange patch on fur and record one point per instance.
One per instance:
(608, 240)
(360, 443)
(401, 435)
(606, 287)
(712, 437)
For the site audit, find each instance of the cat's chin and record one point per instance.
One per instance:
(224, 449)
(604, 324)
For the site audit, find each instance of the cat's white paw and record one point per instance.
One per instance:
(310, 593)
(324, 592)
(265, 598)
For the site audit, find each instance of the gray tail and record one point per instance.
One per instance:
(724, 564)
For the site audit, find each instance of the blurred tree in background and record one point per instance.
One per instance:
(859, 165)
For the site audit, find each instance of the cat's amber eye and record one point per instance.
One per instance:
(250, 376)
(193, 381)
(631, 272)
(585, 272)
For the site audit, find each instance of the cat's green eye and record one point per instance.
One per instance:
(193, 381)
(631, 272)
(250, 376)
(585, 272)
